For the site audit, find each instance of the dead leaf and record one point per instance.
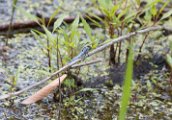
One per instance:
(44, 91)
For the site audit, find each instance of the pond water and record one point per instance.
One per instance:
(24, 63)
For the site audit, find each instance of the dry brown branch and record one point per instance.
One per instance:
(44, 91)
(68, 66)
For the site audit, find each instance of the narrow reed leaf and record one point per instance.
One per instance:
(53, 15)
(58, 22)
(127, 86)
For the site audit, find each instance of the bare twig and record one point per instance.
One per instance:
(140, 48)
(86, 63)
(119, 39)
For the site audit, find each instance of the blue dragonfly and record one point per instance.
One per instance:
(82, 54)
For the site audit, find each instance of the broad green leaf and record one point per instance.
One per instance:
(74, 27)
(166, 15)
(153, 10)
(113, 10)
(75, 22)
(74, 34)
(87, 28)
(127, 85)
(58, 22)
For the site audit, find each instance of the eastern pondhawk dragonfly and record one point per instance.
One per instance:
(82, 54)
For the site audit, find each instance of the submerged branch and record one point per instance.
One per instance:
(24, 27)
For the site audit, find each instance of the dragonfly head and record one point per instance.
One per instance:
(87, 48)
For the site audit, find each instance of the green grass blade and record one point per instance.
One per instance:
(127, 86)
(53, 15)
(58, 22)
(87, 28)
(13, 6)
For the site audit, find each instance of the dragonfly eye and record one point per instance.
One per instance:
(89, 47)
(86, 49)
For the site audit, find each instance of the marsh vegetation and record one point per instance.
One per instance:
(108, 59)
